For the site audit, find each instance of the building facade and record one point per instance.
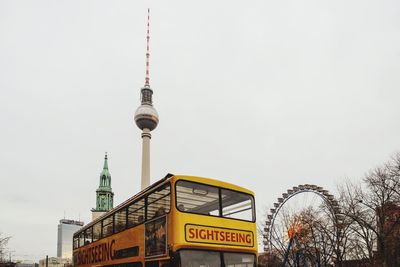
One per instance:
(391, 230)
(66, 230)
(55, 262)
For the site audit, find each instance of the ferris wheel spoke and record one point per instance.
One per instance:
(278, 239)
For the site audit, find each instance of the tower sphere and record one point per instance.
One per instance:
(146, 117)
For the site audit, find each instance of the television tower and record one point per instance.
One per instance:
(146, 116)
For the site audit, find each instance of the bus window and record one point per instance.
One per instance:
(88, 236)
(197, 198)
(76, 242)
(237, 205)
(108, 226)
(158, 202)
(120, 220)
(199, 258)
(81, 239)
(136, 213)
(96, 231)
(239, 260)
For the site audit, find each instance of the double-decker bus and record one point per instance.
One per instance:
(180, 221)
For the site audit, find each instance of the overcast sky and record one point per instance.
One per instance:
(264, 94)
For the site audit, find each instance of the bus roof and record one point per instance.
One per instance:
(213, 182)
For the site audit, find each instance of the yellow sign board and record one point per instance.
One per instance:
(217, 235)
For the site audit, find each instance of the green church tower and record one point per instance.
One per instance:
(104, 194)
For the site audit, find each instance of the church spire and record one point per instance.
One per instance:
(105, 167)
(105, 176)
(104, 194)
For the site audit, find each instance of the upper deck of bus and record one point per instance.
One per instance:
(198, 214)
(172, 179)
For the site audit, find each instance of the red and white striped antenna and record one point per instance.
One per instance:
(147, 81)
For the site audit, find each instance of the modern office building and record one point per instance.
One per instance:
(66, 230)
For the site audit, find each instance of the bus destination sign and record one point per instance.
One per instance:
(217, 235)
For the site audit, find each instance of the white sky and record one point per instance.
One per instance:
(263, 94)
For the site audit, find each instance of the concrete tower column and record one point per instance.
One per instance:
(146, 136)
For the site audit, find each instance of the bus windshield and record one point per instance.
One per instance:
(211, 200)
(202, 258)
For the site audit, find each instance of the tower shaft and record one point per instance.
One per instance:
(146, 136)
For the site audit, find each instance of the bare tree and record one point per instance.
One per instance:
(382, 198)
(313, 231)
(374, 214)
(3, 246)
(358, 223)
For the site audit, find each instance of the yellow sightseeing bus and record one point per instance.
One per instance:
(183, 221)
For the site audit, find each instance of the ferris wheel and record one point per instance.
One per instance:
(308, 214)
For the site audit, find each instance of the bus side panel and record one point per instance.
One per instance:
(127, 246)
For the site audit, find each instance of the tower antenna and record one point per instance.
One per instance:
(147, 80)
